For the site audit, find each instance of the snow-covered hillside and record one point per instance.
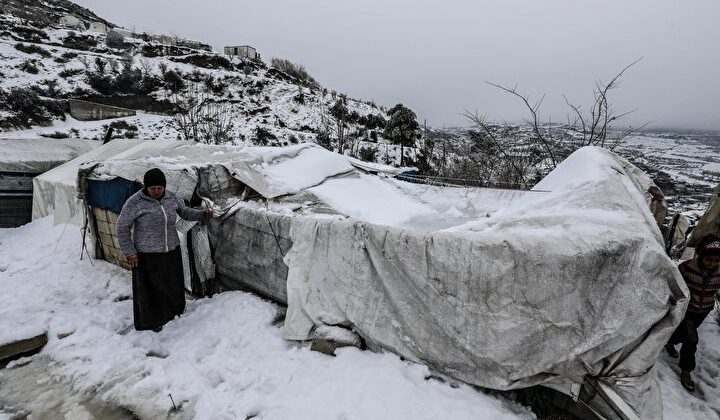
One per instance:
(43, 64)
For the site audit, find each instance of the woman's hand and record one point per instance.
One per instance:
(133, 260)
(208, 213)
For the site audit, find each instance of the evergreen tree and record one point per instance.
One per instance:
(402, 128)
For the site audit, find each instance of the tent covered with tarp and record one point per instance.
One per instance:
(23, 159)
(566, 286)
(36, 156)
(55, 191)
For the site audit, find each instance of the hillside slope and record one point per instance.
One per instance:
(44, 62)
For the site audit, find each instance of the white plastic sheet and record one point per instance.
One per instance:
(555, 287)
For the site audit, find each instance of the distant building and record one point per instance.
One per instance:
(164, 40)
(98, 27)
(72, 22)
(242, 51)
(196, 45)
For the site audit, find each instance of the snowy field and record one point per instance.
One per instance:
(225, 358)
(684, 165)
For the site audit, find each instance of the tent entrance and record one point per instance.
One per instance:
(16, 192)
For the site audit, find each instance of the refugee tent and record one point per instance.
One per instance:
(23, 159)
(567, 285)
(55, 191)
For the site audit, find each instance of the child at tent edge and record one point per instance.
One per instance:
(702, 276)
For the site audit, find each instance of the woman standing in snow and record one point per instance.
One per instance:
(702, 276)
(154, 254)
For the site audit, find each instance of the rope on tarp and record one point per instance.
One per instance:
(277, 240)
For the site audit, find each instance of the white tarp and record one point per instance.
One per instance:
(268, 170)
(55, 191)
(271, 171)
(554, 287)
(35, 156)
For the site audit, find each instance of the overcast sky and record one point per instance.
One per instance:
(435, 56)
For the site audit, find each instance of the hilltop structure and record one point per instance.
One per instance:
(72, 22)
(242, 51)
(98, 27)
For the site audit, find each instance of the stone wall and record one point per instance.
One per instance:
(89, 111)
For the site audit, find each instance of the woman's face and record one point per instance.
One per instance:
(156, 191)
(711, 262)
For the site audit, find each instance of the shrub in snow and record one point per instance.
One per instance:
(30, 34)
(68, 73)
(33, 49)
(130, 80)
(115, 39)
(372, 121)
(173, 81)
(55, 135)
(79, 42)
(27, 109)
(216, 86)
(29, 66)
(297, 71)
(122, 125)
(323, 139)
(207, 61)
(299, 98)
(368, 154)
(263, 136)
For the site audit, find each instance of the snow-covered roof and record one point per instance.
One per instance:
(35, 156)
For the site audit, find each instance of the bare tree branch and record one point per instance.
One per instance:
(535, 119)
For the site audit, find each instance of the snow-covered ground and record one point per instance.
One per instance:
(223, 359)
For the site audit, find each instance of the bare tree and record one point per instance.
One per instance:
(541, 135)
(146, 66)
(201, 119)
(215, 122)
(593, 129)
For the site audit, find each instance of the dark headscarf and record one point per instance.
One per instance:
(154, 177)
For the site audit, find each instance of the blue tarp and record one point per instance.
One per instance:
(111, 195)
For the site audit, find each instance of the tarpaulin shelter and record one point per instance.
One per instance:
(567, 285)
(55, 191)
(23, 159)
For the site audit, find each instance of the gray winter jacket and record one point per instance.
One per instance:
(154, 222)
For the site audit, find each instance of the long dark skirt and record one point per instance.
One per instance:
(158, 289)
